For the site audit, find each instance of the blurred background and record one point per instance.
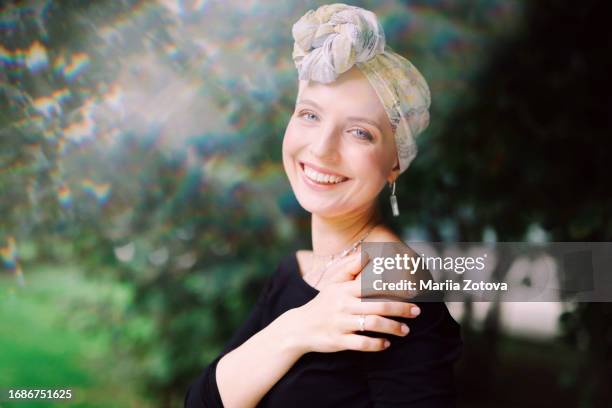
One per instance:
(144, 202)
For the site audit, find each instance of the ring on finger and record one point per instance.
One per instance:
(362, 322)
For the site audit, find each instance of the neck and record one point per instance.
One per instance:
(331, 235)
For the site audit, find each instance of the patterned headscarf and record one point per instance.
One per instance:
(333, 38)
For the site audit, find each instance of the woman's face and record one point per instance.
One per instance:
(338, 149)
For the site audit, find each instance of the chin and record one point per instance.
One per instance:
(315, 206)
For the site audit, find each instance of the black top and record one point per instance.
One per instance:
(415, 371)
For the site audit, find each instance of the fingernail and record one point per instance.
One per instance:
(415, 311)
(387, 343)
(405, 328)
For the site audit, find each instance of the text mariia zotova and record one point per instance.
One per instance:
(447, 285)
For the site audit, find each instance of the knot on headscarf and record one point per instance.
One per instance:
(333, 38)
(330, 40)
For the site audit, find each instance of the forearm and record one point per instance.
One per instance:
(248, 372)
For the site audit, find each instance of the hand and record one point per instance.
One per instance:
(330, 321)
(343, 270)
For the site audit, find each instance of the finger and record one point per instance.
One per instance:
(375, 323)
(343, 267)
(386, 308)
(349, 267)
(364, 343)
(354, 287)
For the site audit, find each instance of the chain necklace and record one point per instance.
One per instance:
(340, 255)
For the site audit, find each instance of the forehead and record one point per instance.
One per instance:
(350, 92)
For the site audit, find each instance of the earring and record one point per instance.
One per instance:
(393, 200)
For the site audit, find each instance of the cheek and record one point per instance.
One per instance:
(371, 166)
(291, 145)
(288, 141)
(386, 158)
(372, 169)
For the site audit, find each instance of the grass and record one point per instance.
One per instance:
(40, 350)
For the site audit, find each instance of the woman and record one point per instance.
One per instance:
(311, 341)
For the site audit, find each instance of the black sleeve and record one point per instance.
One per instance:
(203, 392)
(417, 369)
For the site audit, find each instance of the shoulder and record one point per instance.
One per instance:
(435, 322)
(384, 234)
(276, 280)
(392, 261)
(303, 256)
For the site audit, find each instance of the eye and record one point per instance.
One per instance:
(364, 135)
(306, 113)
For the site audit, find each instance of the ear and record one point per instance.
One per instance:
(395, 172)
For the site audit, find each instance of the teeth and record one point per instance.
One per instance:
(322, 178)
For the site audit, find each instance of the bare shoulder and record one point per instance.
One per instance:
(303, 254)
(303, 257)
(385, 234)
(402, 272)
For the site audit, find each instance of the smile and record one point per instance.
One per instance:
(321, 178)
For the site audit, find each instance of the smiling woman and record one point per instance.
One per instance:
(324, 138)
(311, 341)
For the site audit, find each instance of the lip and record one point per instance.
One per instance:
(321, 170)
(316, 186)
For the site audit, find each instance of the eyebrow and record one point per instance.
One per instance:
(355, 118)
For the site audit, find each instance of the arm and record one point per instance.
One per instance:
(417, 370)
(246, 374)
(251, 362)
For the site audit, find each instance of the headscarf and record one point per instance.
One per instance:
(333, 38)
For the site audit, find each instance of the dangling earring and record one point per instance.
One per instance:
(393, 199)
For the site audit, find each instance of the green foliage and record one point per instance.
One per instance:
(46, 345)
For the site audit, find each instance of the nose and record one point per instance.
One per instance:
(325, 146)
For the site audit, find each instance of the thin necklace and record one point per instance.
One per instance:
(331, 258)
